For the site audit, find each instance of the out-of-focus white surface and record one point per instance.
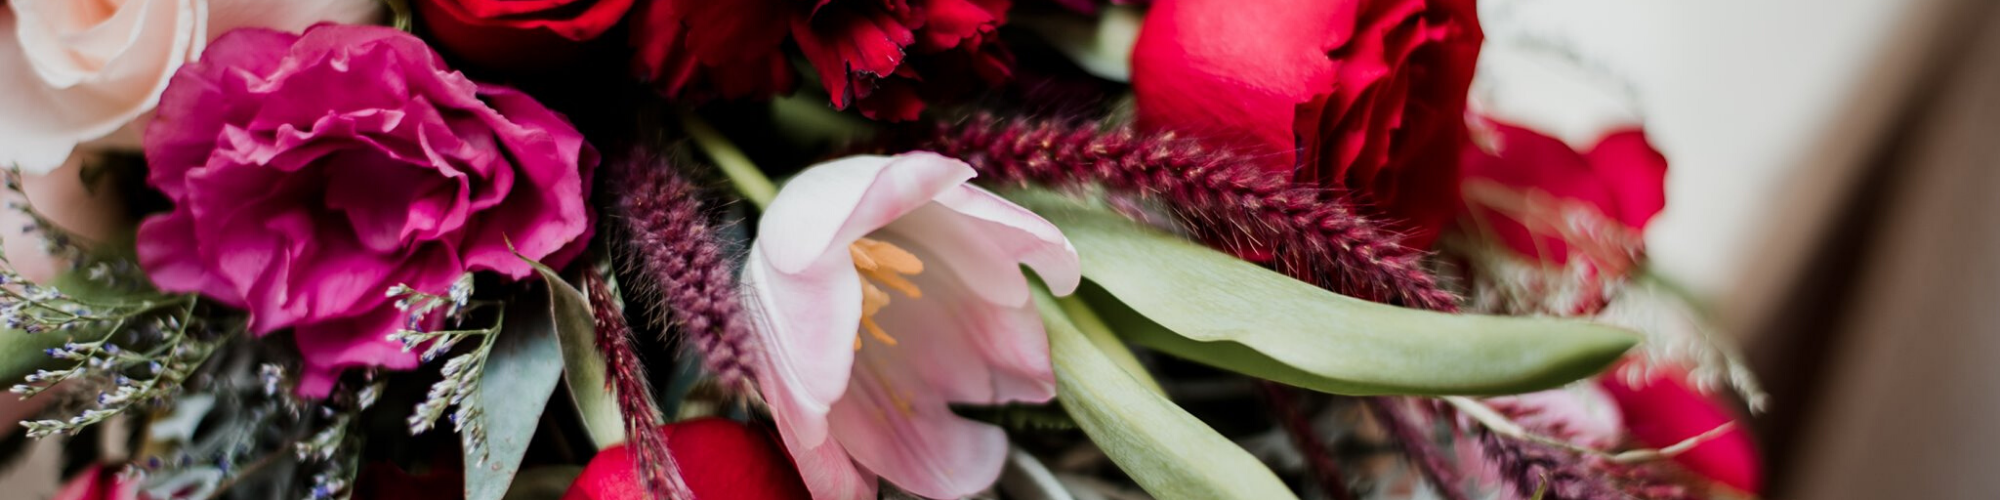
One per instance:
(1764, 109)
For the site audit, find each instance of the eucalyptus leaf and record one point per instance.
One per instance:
(521, 373)
(1167, 451)
(543, 483)
(1190, 301)
(583, 367)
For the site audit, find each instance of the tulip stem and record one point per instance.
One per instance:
(1086, 320)
(744, 174)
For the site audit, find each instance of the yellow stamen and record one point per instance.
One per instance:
(875, 330)
(882, 264)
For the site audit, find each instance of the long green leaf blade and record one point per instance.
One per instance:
(1194, 302)
(1163, 448)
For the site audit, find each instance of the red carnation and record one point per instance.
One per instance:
(886, 57)
(1363, 95)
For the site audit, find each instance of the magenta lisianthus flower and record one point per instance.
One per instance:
(883, 289)
(311, 172)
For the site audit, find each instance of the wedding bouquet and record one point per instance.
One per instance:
(1033, 249)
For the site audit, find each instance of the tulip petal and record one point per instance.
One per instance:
(966, 349)
(828, 206)
(828, 472)
(805, 324)
(892, 425)
(986, 238)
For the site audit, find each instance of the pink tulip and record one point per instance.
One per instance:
(884, 289)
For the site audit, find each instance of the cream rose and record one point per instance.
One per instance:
(74, 71)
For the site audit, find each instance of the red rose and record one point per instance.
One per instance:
(1541, 198)
(718, 459)
(886, 57)
(1664, 411)
(1363, 95)
(516, 34)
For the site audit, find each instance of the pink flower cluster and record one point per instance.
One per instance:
(310, 173)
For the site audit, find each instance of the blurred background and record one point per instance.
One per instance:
(1831, 197)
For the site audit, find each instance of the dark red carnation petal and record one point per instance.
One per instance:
(851, 44)
(947, 23)
(694, 50)
(894, 99)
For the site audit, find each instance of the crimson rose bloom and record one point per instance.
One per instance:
(1525, 188)
(515, 34)
(718, 459)
(887, 57)
(310, 173)
(1363, 95)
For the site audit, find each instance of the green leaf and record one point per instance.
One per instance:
(1187, 300)
(21, 353)
(1167, 451)
(521, 373)
(583, 366)
(544, 483)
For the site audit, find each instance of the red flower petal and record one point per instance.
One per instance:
(1623, 178)
(718, 458)
(518, 35)
(1367, 96)
(851, 44)
(693, 50)
(1665, 411)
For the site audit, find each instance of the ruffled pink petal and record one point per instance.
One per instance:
(830, 205)
(184, 132)
(547, 217)
(895, 426)
(331, 347)
(173, 261)
(805, 323)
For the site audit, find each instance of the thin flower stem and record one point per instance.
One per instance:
(1099, 334)
(1500, 424)
(748, 179)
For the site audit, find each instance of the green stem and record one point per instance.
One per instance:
(748, 180)
(1100, 335)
